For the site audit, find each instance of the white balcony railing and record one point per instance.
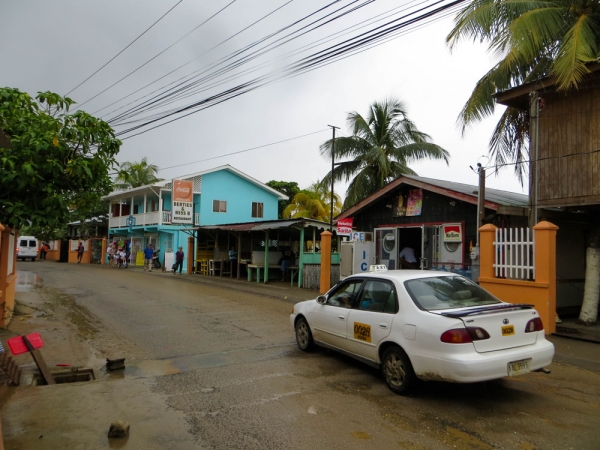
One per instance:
(151, 218)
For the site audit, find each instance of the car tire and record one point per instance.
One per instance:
(304, 337)
(397, 370)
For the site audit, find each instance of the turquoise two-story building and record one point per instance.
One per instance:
(143, 215)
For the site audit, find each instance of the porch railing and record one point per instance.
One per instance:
(147, 219)
(515, 248)
(150, 218)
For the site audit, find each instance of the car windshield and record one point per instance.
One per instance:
(447, 293)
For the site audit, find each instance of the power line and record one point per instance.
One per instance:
(243, 60)
(317, 59)
(245, 150)
(156, 56)
(189, 62)
(130, 44)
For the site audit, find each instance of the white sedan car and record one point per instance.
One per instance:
(425, 324)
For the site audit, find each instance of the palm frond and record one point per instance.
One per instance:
(579, 46)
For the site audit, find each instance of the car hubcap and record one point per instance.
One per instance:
(394, 370)
(302, 334)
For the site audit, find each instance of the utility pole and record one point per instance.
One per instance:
(534, 122)
(474, 252)
(480, 199)
(333, 128)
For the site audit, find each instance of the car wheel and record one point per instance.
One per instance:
(303, 335)
(397, 370)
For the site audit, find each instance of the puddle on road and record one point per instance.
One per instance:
(143, 369)
(26, 280)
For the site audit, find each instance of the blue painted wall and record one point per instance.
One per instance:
(239, 195)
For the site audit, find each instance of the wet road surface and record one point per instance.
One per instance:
(211, 367)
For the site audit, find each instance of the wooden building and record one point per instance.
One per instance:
(436, 218)
(565, 170)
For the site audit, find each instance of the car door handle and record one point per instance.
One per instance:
(342, 317)
(383, 325)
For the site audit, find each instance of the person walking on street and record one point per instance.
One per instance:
(148, 253)
(179, 256)
(80, 250)
(110, 252)
(45, 248)
(233, 261)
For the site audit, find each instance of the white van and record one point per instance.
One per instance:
(27, 248)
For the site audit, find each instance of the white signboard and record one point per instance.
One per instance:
(183, 202)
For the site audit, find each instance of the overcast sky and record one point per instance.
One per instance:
(56, 44)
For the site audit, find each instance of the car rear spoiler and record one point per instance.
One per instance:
(487, 309)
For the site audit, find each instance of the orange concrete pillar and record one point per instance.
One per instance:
(325, 261)
(545, 270)
(103, 256)
(190, 253)
(487, 235)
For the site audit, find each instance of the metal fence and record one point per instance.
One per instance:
(514, 254)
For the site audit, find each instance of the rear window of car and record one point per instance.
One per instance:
(436, 293)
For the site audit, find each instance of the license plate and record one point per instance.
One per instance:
(519, 367)
(508, 330)
(362, 332)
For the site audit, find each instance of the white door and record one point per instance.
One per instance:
(330, 319)
(370, 321)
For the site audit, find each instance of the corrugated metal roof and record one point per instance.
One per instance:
(267, 225)
(504, 198)
(494, 198)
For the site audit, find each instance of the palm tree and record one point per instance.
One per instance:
(136, 174)
(533, 39)
(379, 150)
(313, 203)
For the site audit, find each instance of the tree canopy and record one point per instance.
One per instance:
(57, 162)
(532, 40)
(136, 174)
(380, 149)
(289, 188)
(313, 203)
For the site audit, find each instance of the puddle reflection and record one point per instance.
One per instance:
(26, 280)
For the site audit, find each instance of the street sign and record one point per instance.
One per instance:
(18, 346)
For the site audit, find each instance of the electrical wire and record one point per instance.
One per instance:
(245, 150)
(315, 60)
(130, 44)
(157, 55)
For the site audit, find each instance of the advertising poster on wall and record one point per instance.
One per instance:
(414, 203)
(183, 202)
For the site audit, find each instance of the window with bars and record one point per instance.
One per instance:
(219, 206)
(257, 209)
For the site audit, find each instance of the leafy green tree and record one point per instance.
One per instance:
(533, 40)
(289, 188)
(57, 162)
(136, 174)
(313, 203)
(380, 149)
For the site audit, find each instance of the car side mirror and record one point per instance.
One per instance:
(321, 299)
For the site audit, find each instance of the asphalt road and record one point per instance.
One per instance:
(213, 367)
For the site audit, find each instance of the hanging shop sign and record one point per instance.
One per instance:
(344, 227)
(183, 202)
